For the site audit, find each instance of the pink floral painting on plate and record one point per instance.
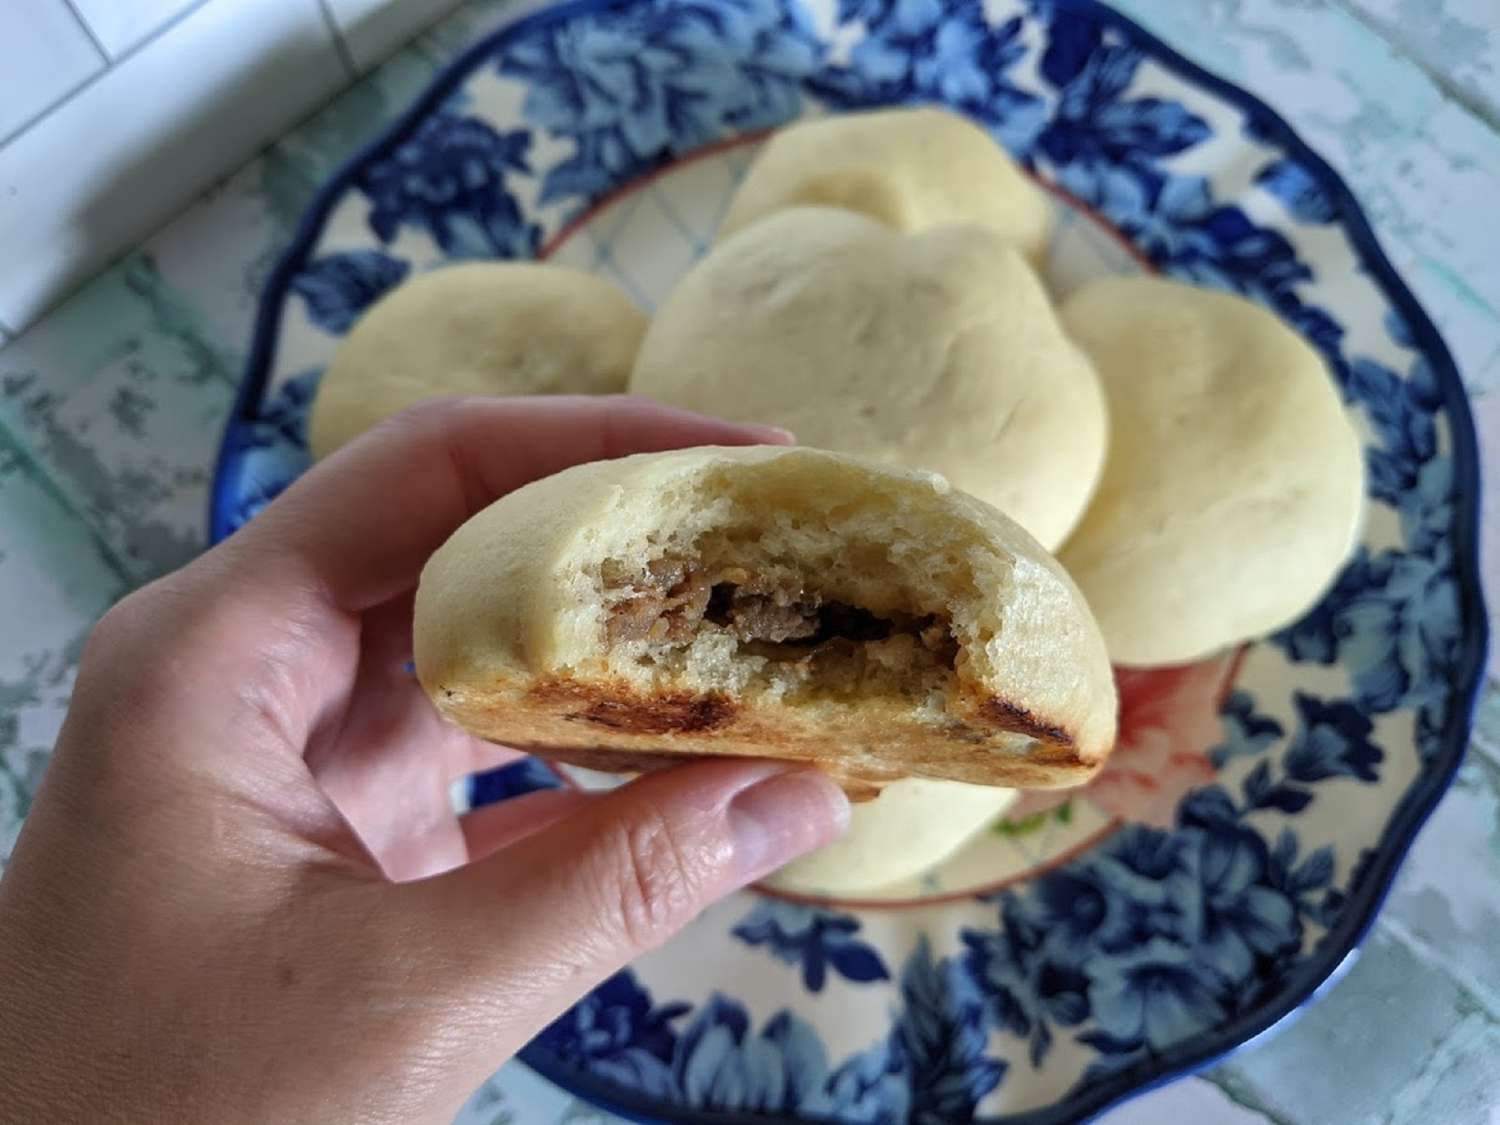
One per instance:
(1169, 721)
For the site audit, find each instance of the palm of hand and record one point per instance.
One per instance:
(242, 891)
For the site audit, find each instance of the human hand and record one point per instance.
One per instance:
(241, 893)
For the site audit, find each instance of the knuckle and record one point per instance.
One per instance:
(425, 427)
(121, 624)
(653, 885)
(429, 416)
(141, 621)
(121, 684)
(126, 641)
(150, 639)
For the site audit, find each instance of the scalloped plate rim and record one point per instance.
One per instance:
(1407, 818)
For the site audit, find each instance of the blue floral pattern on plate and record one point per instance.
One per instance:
(632, 85)
(1115, 956)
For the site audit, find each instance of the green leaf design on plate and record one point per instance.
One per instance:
(1028, 825)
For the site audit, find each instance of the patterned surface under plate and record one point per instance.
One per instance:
(1245, 832)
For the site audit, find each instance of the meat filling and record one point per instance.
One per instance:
(775, 616)
(664, 607)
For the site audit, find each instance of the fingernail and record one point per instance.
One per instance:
(771, 435)
(787, 815)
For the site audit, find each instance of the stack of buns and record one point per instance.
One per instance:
(996, 497)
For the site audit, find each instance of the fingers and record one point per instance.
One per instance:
(474, 755)
(528, 930)
(387, 759)
(385, 660)
(276, 610)
(638, 862)
(493, 827)
(381, 705)
(359, 526)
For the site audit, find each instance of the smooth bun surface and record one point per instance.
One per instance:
(1234, 485)
(912, 826)
(934, 351)
(910, 169)
(481, 328)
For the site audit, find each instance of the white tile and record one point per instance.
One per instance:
(373, 29)
(44, 53)
(470, 21)
(54, 583)
(120, 396)
(121, 24)
(1487, 425)
(1429, 196)
(1446, 901)
(651, 252)
(109, 166)
(516, 1093)
(246, 220)
(1458, 39)
(1188, 1100)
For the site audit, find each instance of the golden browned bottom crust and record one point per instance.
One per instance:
(607, 760)
(864, 746)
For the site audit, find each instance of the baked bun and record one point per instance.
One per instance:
(768, 602)
(1234, 484)
(481, 328)
(934, 351)
(912, 826)
(910, 169)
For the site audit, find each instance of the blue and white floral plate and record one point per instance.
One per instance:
(1238, 847)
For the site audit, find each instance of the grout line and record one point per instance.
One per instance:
(124, 56)
(1469, 1033)
(684, 228)
(340, 45)
(55, 103)
(88, 30)
(1490, 364)
(49, 483)
(151, 38)
(1480, 993)
(1455, 93)
(265, 150)
(1484, 750)
(1238, 1092)
(1480, 737)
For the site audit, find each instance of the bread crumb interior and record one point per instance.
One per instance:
(769, 624)
(760, 593)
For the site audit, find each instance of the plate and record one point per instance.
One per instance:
(1236, 850)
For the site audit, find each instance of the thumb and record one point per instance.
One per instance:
(531, 928)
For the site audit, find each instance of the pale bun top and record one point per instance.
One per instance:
(1234, 486)
(935, 351)
(911, 169)
(479, 328)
